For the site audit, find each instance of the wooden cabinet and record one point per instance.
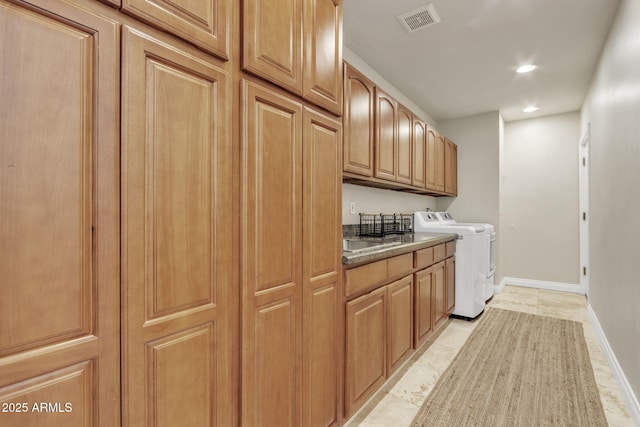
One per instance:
(435, 160)
(440, 292)
(176, 237)
(60, 214)
(450, 279)
(404, 144)
(321, 269)
(271, 206)
(205, 23)
(366, 342)
(386, 137)
(290, 296)
(423, 306)
(359, 113)
(399, 323)
(273, 42)
(450, 167)
(419, 154)
(322, 72)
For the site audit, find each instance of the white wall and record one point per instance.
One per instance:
(374, 200)
(612, 107)
(478, 140)
(539, 199)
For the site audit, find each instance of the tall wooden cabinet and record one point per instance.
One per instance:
(404, 145)
(435, 160)
(290, 267)
(450, 167)
(359, 122)
(296, 44)
(59, 215)
(177, 242)
(419, 154)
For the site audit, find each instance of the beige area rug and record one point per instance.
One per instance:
(517, 369)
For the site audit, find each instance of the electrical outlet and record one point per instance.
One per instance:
(352, 208)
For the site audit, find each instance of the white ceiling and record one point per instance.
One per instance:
(466, 64)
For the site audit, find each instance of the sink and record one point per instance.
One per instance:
(356, 246)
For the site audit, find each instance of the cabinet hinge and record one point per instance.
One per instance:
(584, 216)
(584, 271)
(584, 161)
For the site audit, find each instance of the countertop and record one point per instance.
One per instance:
(408, 243)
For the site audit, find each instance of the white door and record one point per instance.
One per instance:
(585, 219)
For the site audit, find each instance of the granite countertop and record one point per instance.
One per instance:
(407, 243)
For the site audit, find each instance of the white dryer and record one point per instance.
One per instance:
(487, 250)
(470, 278)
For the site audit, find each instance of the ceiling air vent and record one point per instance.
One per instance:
(419, 18)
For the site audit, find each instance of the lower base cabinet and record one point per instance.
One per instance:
(366, 368)
(450, 279)
(439, 286)
(423, 311)
(399, 323)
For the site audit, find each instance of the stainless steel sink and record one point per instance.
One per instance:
(356, 246)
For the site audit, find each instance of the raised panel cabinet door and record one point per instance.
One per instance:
(423, 304)
(359, 120)
(450, 279)
(321, 265)
(205, 23)
(59, 217)
(399, 323)
(450, 167)
(386, 148)
(435, 160)
(271, 257)
(440, 163)
(405, 144)
(439, 285)
(272, 41)
(419, 155)
(177, 243)
(322, 83)
(366, 342)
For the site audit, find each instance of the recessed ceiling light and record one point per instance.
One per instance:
(525, 68)
(530, 109)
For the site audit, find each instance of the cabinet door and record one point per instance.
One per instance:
(405, 144)
(366, 347)
(321, 269)
(177, 242)
(205, 23)
(59, 215)
(359, 109)
(423, 325)
(386, 137)
(399, 322)
(439, 285)
(272, 41)
(440, 163)
(451, 167)
(418, 177)
(450, 278)
(271, 257)
(323, 53)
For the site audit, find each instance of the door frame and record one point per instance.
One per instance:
(584, 166)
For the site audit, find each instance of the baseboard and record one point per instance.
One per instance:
(540, 284)
(627, 392)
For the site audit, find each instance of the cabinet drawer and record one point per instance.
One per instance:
(423, 258)
(399, 266)
(439, 252)
(451, 248)
(365, 277)
(377, 273)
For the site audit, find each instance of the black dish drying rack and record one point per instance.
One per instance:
(380, 225)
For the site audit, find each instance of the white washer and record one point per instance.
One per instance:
(470, 279)
(487, 251)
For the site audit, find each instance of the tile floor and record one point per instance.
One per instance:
(398, 402)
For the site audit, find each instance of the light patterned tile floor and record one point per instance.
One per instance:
(397, 403)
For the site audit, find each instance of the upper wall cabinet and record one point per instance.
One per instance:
(205, 23)
(359, 101)
(435, 160)
(419, 155)
(297, 45)
(386, 148)
(405, 144)
(450, 167)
